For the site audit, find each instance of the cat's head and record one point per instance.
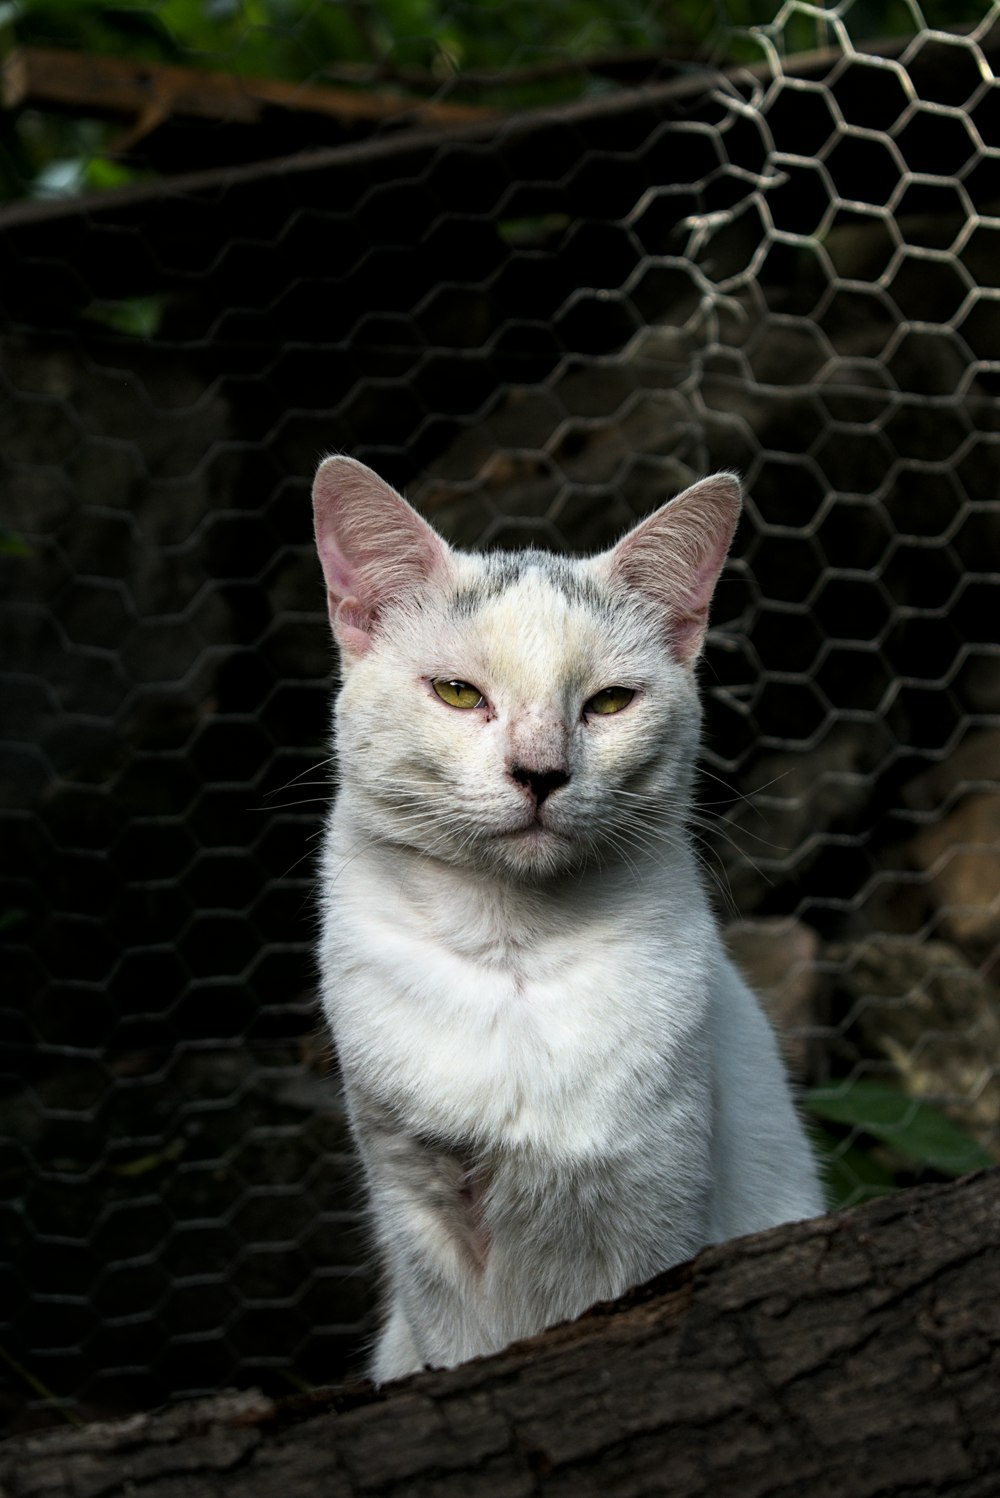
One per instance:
(517, 711)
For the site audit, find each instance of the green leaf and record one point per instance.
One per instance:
(12, 545)
(915, 1129)
(137, 317)
(146, 1163)
(100, 173)
(849, 1174)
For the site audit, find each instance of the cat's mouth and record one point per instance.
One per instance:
(532, 830)
(536, 850)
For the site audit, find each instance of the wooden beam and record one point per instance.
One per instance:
(122, 88)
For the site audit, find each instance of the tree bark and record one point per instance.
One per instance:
(855, 1355)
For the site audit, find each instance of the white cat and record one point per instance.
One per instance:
(558, 1083)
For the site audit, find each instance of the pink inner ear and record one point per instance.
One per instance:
(689, 615)
(687, 632)
(351, 628)
(374, 548)
(336, 569)
(674, 557)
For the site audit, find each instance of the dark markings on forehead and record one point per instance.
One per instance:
(503, 569)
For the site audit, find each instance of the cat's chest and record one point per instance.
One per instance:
(562, 1044)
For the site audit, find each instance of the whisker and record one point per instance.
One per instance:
(288, 805)
(738, 795)
(296, 778)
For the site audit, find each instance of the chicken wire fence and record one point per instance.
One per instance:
(541, 323)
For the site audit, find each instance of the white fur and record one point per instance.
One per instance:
(558, 1083)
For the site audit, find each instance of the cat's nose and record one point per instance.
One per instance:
(541, 783)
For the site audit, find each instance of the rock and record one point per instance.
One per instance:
(777, 956)
(961, 857)
(974, 766)
(787, 801)
(924, 1010)
(569, 467)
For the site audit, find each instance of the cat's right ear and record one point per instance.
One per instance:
(675, 555)
(374, 548)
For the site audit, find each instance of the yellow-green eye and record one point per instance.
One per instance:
(458, 693)
(610, 700)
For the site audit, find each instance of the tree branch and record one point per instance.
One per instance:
(122, 87)
(858, 1354)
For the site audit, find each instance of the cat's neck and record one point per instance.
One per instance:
(494, 915)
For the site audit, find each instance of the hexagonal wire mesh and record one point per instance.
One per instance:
(542, 325)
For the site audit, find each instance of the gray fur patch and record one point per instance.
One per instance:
(504, 569)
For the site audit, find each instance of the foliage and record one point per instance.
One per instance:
(292, 38)
(874, 1137)
(42, 155)
(136, 317)
(11, 545)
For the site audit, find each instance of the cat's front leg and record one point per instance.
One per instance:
(428, 1212)
(396, 1354)
(436, 1258)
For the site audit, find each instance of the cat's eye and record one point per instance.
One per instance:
(610, 700)
(458, 693)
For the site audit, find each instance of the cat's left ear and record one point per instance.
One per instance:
(374, 548)
(675, 556)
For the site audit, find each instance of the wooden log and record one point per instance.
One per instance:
(855, 1355)
(121, 87)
